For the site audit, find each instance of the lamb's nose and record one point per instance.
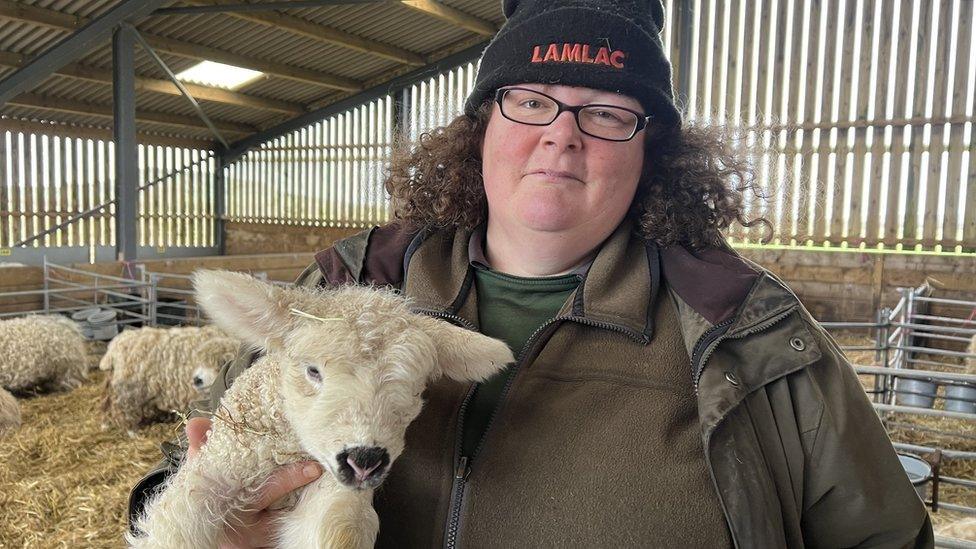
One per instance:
(197, 382)
(367, 461)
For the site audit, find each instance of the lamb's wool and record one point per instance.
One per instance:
(9, 413)
(46, 351)
(343, 369)
(153, 370)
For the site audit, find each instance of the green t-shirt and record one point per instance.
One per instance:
(510, 308)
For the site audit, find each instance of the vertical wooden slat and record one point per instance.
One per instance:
(5, 183)
(32, 184)
(356, 129)
(345, 196)
(935, 104)
(109, 147)
(100, 195)
(787, 37)
(915, 135)
(878, 86)
(44, 165)
(968, 196)
(900, 82)
(863, 26)
(957, 75)
(840, 174)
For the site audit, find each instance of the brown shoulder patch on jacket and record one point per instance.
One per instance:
(374, 256)
(713, 281)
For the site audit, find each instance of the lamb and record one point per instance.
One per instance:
(41, 351)
(9, 413)
(155, 371)
(340, 380)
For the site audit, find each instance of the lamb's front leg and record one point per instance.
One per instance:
(330, 516)
(182, 515)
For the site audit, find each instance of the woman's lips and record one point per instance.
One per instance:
(554, 174)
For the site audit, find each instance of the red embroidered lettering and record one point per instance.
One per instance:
(572, 53)
(552, 54)
(617, 59)
(586, 54)
(536, 58)
(578, 53)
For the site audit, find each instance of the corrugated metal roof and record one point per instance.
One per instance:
(393, 25)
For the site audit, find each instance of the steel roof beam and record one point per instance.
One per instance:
(77, 44)
(322, 33)
(58, 20)
(453, 16)
(176, 82)
(259, 6)
(57, 104)
(207, 93)
(101, 133)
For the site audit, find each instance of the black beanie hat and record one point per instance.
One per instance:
(612, 45)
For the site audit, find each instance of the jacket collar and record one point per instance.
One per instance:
(616, 292)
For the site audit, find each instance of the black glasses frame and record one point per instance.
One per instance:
(642, 119)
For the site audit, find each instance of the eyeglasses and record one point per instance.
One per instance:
(534, 108)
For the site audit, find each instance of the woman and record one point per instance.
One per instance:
(666, 392)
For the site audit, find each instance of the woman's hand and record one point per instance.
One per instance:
(255, 528)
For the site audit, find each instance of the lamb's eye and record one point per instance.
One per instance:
(313, 373)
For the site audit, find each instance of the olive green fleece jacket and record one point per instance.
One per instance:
(794, 450)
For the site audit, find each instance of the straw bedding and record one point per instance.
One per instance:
(63, 480)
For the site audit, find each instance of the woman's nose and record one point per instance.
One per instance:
(563, 132)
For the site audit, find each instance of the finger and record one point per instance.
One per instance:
(196, 434)
(285, 479)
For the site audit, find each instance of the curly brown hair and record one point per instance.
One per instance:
(691, 189)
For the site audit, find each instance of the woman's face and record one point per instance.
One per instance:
(555, 178)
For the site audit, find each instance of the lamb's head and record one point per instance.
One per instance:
(214, 351)
(354, 363)
(203, 377)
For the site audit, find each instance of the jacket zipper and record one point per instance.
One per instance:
(706, 351)
(709, 341)
(462, 468)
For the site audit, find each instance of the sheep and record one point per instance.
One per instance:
(341, 378)
(9, 413)
(41, 351)
(155, 371)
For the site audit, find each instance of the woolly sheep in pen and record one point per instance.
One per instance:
(341, 379)
(41, 351)
(155, 371)
(9, 413)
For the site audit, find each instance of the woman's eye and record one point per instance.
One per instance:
(531, 104)
(313, 373)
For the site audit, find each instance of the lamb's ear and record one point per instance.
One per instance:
(256, 312)
(464, 355)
